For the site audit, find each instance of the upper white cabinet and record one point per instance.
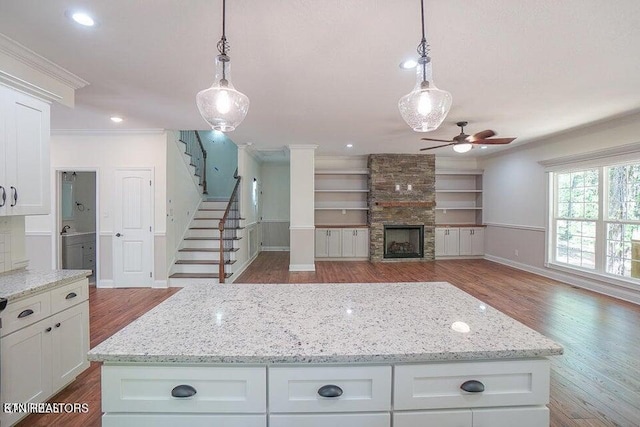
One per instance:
(24, 154)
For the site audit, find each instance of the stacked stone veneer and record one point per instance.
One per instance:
(387, 170)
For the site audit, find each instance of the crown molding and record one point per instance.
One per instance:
(40, 63)
(25, 86)
(107, 131)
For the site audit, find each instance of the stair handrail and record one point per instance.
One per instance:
(233, 200)
(204, 161)
(196, 151)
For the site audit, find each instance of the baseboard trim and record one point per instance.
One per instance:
(302, 267)
(159, 284)
(104, 283)
(276, 249)
(570, 279)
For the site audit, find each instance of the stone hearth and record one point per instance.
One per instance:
(387, 206)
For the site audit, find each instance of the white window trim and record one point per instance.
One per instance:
(621, 155)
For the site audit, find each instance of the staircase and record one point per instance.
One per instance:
(198, 259)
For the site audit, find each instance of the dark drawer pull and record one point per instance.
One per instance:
(57, 325)
(25, 313)
(71, 295)
(48, 329)
(330, 390)
(472, 386)
(183, 391)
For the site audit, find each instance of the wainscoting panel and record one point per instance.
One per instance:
(275, 235)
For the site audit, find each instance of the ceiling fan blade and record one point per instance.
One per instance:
(493, 141)
(437, 146)
(481, 135)
(437, 140)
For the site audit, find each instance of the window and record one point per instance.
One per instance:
(596, 220)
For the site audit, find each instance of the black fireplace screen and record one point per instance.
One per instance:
(403, 241)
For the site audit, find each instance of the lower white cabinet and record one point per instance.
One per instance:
(459, 241)
(355, 242)
(342, 242)
(447, 242)
(41, 358)
(514, 393)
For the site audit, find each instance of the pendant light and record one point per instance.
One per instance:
(426, 106)
(221, 105)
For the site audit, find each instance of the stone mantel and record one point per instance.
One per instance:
(396, 204)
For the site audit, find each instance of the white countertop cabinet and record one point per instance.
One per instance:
(24, 154)
(45, 339)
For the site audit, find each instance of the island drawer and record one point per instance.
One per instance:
(191, 420)
(333, 420)
(309, 389)
(537, 416)
(69, 295)
(195, 389)
(25, 312)
(440, 385)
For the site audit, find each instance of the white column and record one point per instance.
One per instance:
(302, 229)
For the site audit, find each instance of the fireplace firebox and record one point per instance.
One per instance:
(403, 241)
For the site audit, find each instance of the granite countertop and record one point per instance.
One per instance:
(22, 283)
(322, 323)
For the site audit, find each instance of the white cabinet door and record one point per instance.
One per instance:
(334, 243)
(73, 256)
(4, 102)
(348, 242)
(477, 241)
(333, 420)
(362, 242)
(26, 367)
(70, 344)
(509, 417)
(466, 236)
(452, 418)
(191, 420)
(322, 234)
(447, 241)
(440, 241)
(27, 155)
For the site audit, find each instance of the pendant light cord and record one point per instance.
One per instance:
(423, 47)
(223, 45)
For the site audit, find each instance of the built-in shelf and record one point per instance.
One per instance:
(459, 209)
(458, 196)
(342, 209)
(458, 191)
(341, 196)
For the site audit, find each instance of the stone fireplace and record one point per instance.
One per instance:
(403, 241)
(401, 195)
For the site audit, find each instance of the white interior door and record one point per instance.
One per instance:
(133, 236)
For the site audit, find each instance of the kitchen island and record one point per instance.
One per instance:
(325, 354)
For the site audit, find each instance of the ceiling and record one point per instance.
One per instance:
(326, 71)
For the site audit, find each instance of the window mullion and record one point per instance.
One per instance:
(601, 232)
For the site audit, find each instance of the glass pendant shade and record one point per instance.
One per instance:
(221, 105)
(426, 107)
(462, 148)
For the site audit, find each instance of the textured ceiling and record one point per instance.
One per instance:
(326, 71)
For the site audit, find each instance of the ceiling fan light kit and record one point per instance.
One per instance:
(221, 105)
(462, 143)
(426, 106)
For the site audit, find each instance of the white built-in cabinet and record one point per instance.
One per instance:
(442, 394)
(459, 241)
(44, 345)
(24, 154)
(342, 242)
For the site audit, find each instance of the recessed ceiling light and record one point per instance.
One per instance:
(349, 145)
(483, 147)
(116, 119)
(83, 19)
(408, 64)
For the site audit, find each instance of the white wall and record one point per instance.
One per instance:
(275, 206)
(515, 197)
(183, 196)
(106, 152)
(13, 252)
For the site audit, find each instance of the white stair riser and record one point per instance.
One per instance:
(209, 214)
(202, 256)
(211, 232)
(213, 223)
(201, 244)
(191, 282)
(214, 205)
(197, 268)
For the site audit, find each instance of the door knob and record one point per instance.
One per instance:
(119, 235)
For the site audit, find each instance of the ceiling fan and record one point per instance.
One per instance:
(463, 142)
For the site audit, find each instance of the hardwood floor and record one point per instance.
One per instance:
(595, 383)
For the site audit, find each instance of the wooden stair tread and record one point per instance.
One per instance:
(198, 275)
(203, 262)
